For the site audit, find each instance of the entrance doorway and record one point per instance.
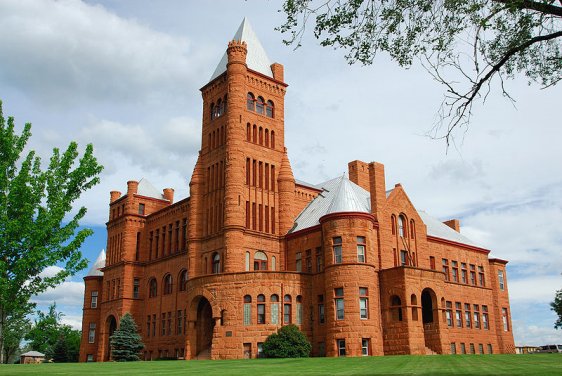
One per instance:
(205, 325)
(111, 326)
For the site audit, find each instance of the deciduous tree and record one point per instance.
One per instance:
(36, 227)
(556, 306)
(464, 44)
(288, 342)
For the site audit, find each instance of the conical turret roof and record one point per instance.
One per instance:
(98, 264)
(256, 59)
(346, 199)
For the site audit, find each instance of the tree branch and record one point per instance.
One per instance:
(533, 5)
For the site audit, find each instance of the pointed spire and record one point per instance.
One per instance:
(286, 172)
(256, 59)
(98, 264)
(346, 199)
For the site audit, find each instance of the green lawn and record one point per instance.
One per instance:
(536, 364)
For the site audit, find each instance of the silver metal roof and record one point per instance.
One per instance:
(342, 195)
(33, 353)
(98, 264)
(338, 195)
(438, 229)
(146, 188)
(256, 59)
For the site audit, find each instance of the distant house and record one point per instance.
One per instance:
(32, 357)
(525, 349)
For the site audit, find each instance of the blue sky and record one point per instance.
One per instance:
(125, 75)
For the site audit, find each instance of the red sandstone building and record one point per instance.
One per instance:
(351, 262)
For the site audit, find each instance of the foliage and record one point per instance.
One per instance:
(464, 44)
(556, 306)
(17, 325)
(53, 338)
(288, 342)
(126, 343)
(34, 230)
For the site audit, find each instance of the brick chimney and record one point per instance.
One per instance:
(455, 224)
(359, 174)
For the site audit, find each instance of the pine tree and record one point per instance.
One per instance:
(126, 342)
(59, 351)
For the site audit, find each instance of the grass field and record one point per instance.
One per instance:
(536, 364)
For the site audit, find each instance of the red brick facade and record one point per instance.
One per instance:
(216, 273)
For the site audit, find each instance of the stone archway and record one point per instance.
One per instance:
(204, 327)
(430, 319)
(110, 327)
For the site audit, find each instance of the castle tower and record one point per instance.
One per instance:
(242, 149)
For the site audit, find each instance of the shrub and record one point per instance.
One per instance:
(288, 342)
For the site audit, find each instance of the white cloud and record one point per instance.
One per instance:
(534, 289)
(50, 271)
(66, 51)
(68, 293)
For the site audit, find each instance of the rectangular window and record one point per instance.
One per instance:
(453, 348)
(308, 261)
(403, 258)
(337, 245)
(299, 313)
(476, 315)
(321, 314)
(148, 325)
(485, 317)
(463, 273)
(341, 347)
(247, 313)
(177, 237)
(286, 313)
(458, 314)
(92, 333)
(150, 247)
(467, 319)
(94, 301)
(449, 313)
(261, 313)
(365, 345)
(275, 313)
(432, 262)
(363, 303)
(490, 348)
(319, 259)
(298, 262)
(481, 279)
(169, 323)
(179, 324)
(90, 358)
(339, 303)
(261, 354)
(463, 348)
(163, 324)
(361, 249)
(473, 275)
(141, 209)
(446, 268)
(136, 288)
(455, 266)
(157, 243)
(154, 325)
(500, 279)
(504, 320)
(481, 348)
(472, 348)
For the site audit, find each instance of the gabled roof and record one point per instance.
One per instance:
(256, 59)
(338, 195)
(33, 353)
(438, 229)
(146, 189)
(98, 264)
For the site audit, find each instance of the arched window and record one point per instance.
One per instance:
(250, 102)
(274, 298)
(396, 308)
(401, 225)
(218, 108)
(224, 105)
(247, 261)
(412, 229)
(152, 288)
(393, 224)
(216, 263)
(247, 310)
(414, 301)
(267, 137)
(287, 309)
(299, 310)
(260, 261)
(248, 132)
(212, 111)
(183, 280)
(247, 299)
(167, 284)
(255, 134)
(274, 309)
(273, 262)
(261, 309)
(260, 105)
(272, 140)
(269, 109)
(261, 136)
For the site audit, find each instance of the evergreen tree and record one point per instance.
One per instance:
(556, 306)
(126, 342)
(288, 342)
(59, 351)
